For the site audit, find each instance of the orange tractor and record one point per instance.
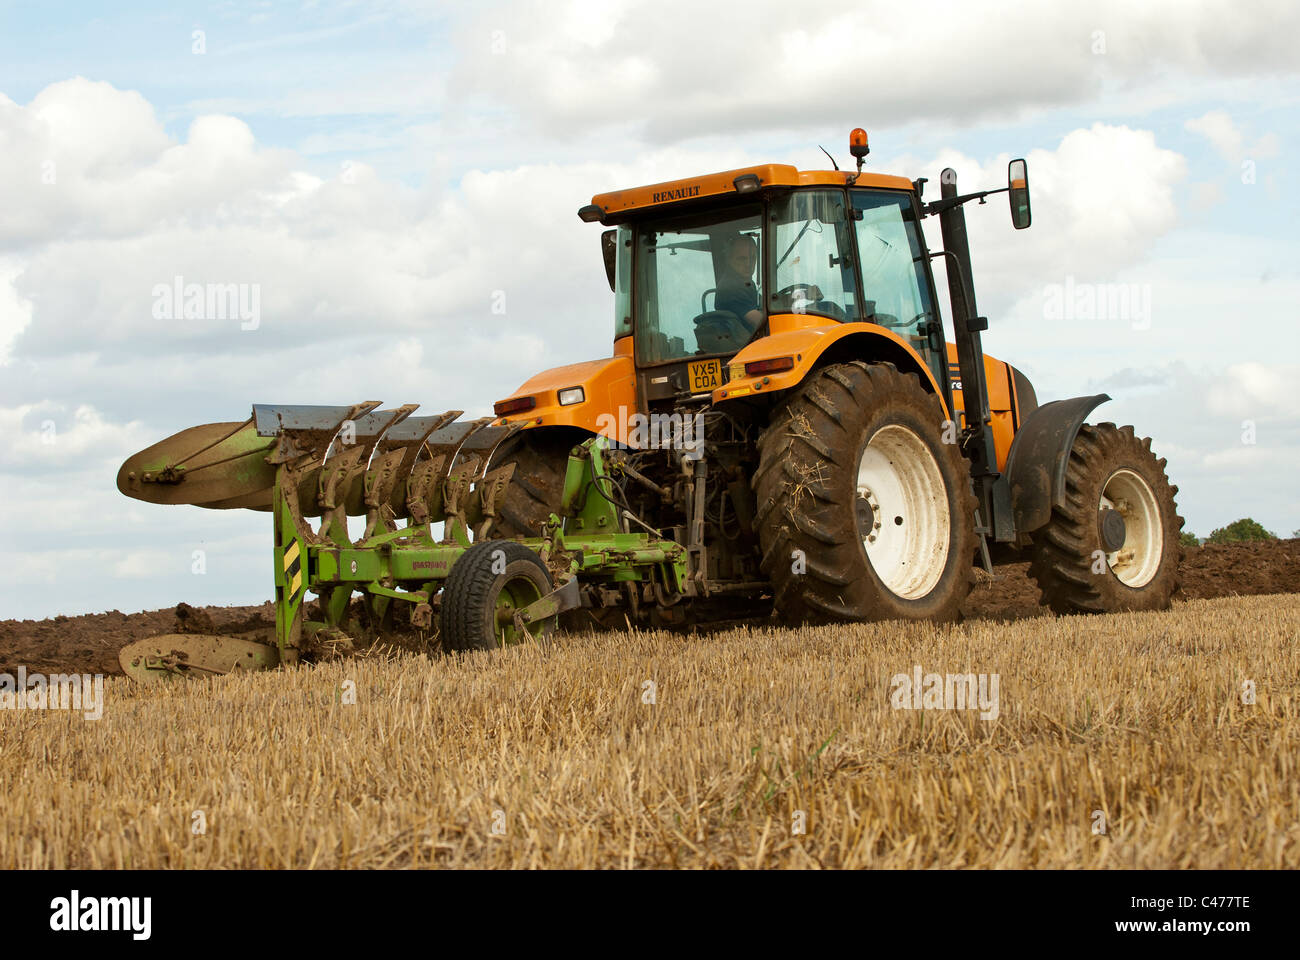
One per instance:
(785, 405)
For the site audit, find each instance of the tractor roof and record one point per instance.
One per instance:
(616, 204)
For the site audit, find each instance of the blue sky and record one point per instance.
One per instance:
(383, 170)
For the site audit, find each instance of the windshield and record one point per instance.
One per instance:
(698, 286)
(813, 271)
(894, 284)
(705, 283)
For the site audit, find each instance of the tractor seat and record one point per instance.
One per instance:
(720, 331)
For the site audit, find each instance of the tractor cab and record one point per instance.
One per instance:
(701, 268)
(731, 288)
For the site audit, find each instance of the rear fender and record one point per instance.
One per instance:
(1039, 456)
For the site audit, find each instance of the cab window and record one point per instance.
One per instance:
(623, 282)
(895, 290)
(699, 289)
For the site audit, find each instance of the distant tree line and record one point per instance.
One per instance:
(1239, 531)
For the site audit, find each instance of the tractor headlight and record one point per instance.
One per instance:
(571, 396)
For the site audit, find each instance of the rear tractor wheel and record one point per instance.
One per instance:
(864, 512)
(541, 459)
(1114, 545)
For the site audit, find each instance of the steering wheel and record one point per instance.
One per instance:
(787, 291)
(827, 307)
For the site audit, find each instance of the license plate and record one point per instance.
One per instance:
(705, 375)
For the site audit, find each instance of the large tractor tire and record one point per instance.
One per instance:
(487, 585)
(864, 512)
(1114, 545)
(541, 458)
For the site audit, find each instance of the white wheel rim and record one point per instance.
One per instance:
(1135, 563)
(909, 539)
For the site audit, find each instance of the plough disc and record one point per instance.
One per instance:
(203, 465)
(180, 655)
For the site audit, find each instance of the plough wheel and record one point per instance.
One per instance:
(488, 584)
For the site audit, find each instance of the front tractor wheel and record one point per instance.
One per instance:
(1114, 545)
(865, 513)
(487, 586)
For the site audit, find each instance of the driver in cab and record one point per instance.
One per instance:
(736, 291)
(737, 294)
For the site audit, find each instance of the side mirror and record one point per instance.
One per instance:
(1018, 190)
(609, 248)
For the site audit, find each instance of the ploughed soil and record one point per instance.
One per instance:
(1208, 572)
(89, 643)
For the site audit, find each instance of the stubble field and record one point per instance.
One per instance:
(1119, 741)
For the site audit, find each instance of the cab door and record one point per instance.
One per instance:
(894, 266)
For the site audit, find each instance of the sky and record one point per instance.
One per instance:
(386, 177)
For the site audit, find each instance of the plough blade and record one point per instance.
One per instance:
(358, 458)
(273, 419)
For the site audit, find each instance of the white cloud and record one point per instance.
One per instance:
(93, 161)
(15, 312)
(1101, 199)
(1225, 136)
(675, 69)
(1255, 390)
(43, 436)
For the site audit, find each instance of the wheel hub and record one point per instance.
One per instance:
(1113, 533)
(516, 594)
(866, 513)
(901, 510)
(1131, 529)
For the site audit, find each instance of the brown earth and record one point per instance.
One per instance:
(89, 643)
(1208, 572)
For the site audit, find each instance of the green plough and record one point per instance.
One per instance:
(407, 476)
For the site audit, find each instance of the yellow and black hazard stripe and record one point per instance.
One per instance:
(293, 570)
